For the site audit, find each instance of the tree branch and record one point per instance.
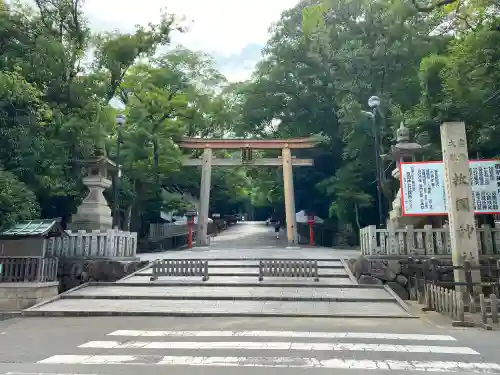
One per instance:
(430, 8)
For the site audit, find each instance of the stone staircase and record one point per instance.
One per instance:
(232, 288)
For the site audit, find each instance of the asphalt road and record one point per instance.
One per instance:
(236, 346)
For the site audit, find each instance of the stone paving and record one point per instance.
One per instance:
(221, 293)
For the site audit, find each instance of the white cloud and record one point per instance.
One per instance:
(220, 27)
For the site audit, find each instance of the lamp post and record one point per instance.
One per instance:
(374, 104)
(120, 121)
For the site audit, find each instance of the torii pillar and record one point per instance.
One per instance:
(291, 222)
(286, 161)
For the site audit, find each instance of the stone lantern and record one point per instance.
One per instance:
(94, 212)
(403, 150)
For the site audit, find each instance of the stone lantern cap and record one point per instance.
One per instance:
(403, 147)
(98, 166)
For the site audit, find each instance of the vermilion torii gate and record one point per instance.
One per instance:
(247, 145)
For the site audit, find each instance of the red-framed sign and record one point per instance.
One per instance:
(423, 191)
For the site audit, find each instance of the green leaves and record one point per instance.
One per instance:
(17, 201)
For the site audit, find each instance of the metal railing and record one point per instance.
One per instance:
(28, 269)
(288, 268)
(180, 268)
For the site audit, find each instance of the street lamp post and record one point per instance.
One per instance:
(374, 104)
(120, 121)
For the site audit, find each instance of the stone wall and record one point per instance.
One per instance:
(392, 273)
(74, 272)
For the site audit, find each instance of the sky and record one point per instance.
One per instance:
(232, 31)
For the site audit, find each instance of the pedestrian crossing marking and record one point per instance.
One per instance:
(291, 334)
(251, 352)
(246, 345)
(333, 363)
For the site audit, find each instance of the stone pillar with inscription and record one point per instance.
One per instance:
(459, 201)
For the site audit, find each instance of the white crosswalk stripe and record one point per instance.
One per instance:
(331, 350)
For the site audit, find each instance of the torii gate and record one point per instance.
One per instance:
(247, 145)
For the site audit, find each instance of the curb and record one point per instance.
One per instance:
(252, 274)
(199, 315)
(229, 298)
(208, 284)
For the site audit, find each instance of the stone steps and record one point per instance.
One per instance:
(232, 289)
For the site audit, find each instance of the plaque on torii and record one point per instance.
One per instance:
(247, 146)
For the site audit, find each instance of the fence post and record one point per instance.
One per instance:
(205, 271)
(410, 240)
(468, 277)
(434, 272)
(487, 243)
(372, 240)
(494, 308)
(484, 312)
(460, 306)
(429, 240)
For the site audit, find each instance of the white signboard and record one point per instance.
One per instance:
(423, 191)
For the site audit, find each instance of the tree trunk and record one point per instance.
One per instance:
(127, 218)
(136, 210)
(356, 212)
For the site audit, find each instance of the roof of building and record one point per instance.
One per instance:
(35, 228)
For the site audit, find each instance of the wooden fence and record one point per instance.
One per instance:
(111, 243)
(445, 301)
(28, 269)
(426, 241)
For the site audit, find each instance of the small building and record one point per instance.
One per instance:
(28, 238)
(23, 251)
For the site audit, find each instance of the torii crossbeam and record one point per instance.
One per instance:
(286, 161)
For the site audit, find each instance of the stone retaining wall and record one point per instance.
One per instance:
(74, 272)
(389, 272)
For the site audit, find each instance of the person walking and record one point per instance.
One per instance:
(277, 227)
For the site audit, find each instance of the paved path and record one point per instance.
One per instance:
(228, 346)
(252, 239)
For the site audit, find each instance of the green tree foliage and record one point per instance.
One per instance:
(428, 62)
(324, 60)
(16, 200)
(55, 110)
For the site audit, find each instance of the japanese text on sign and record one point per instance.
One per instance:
(423, 190)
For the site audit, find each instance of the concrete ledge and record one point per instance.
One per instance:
(256, 275)
(231, 298)
(136, 272)
(246, 259)
(4, 315)
(349, 272)
(256, 284)
(38, 313)
(397, 298)
(21, 295)
(59, 296)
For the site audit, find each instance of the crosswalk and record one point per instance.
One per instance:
(278, 349)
